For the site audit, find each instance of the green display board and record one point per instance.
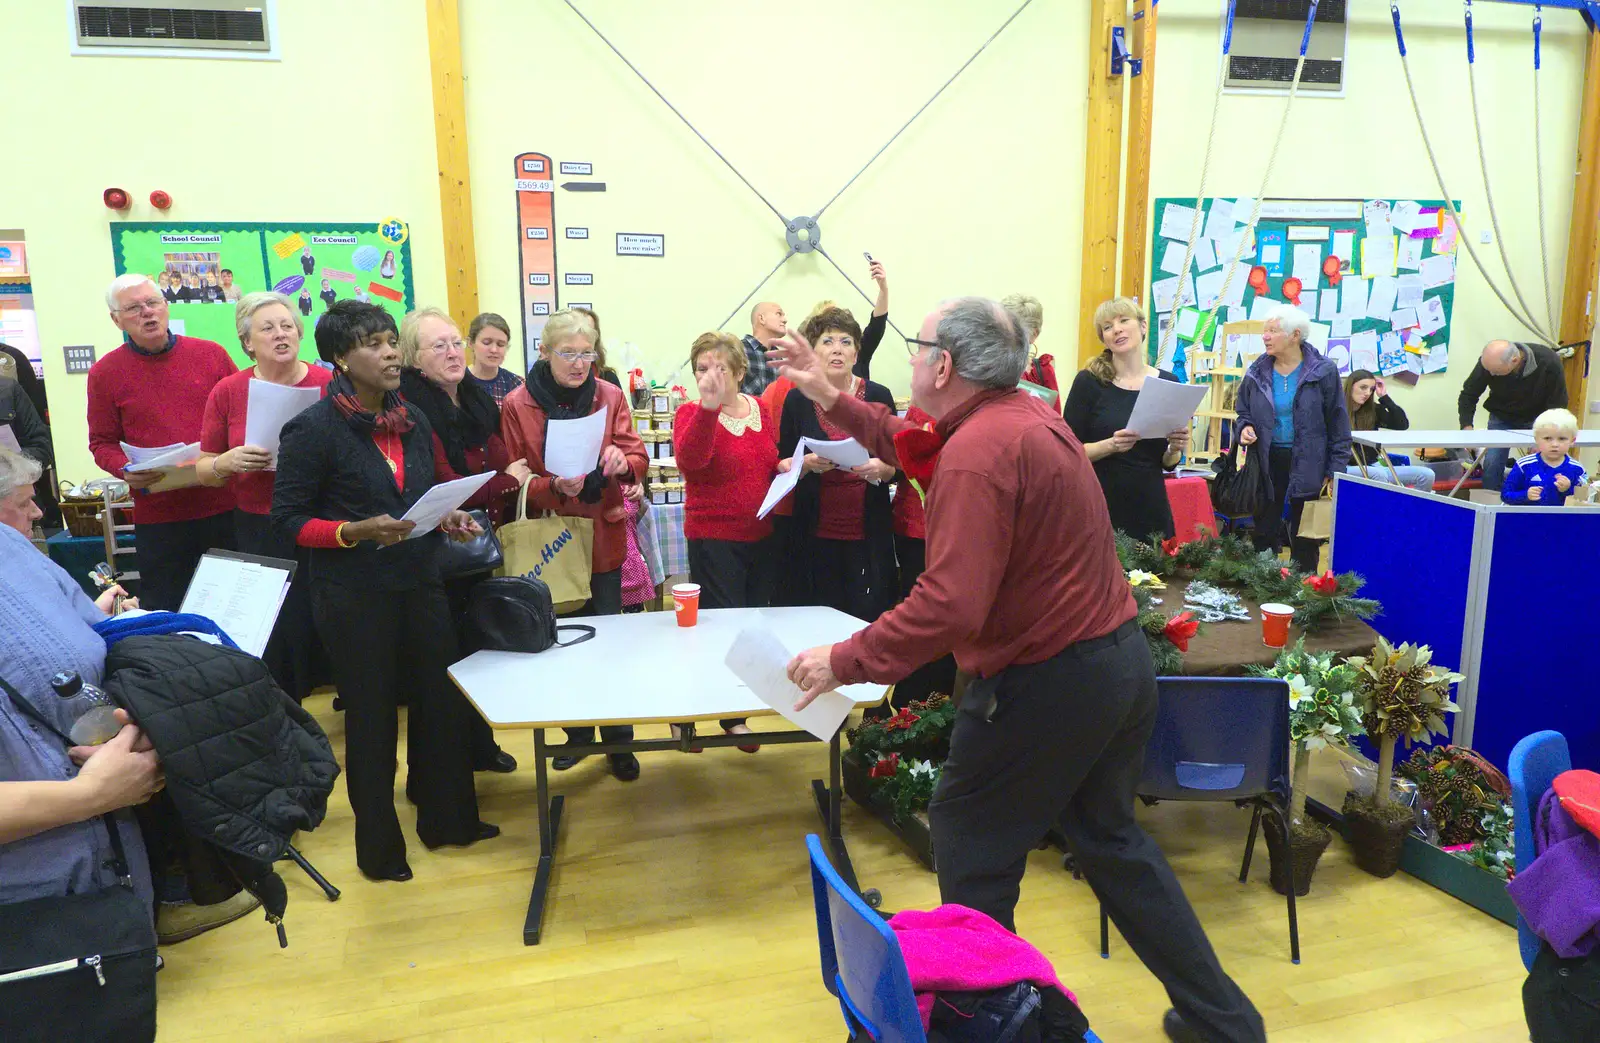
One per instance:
(313, 264)
(1385, 304)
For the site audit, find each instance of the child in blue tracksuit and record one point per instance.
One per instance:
(1548, 477)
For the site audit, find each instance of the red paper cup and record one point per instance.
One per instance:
(686, 601)
(1275, 625)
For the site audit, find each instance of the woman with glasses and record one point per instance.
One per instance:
(838, 548)
(466, 429)
(563, 386)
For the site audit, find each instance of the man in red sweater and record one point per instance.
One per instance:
(151, 392)
(1023, 583)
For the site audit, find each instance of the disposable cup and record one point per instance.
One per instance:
(686, 602)
(1275, 625)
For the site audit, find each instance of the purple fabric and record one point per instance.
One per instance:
(1559, 894)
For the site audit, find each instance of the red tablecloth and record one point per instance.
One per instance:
(1191, 507)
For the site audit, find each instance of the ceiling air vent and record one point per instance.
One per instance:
(1266, 44)
(181, 28)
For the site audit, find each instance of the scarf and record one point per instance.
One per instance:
(560, 402)
(463, 426)
(393, 419)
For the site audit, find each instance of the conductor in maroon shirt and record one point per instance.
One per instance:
(152, 392)
(1023, 583)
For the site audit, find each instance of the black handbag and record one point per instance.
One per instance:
(1242, 486)
(78, 967)
(517, 614)
(472, 557)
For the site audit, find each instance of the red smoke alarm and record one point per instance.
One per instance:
(116, 199)
(160, 200)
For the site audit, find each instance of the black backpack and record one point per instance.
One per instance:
(1020, 1013)
(517, 614)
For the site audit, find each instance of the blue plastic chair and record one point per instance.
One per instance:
(1535, 763)
(1221, 738)
(861, 961)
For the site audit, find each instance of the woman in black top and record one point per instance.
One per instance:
(348, 468)
(1370, 408)
(838, 548)
(1130, 468)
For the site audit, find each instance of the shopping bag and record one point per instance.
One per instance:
(554, 548)
(1243, 486)
(1316, 520)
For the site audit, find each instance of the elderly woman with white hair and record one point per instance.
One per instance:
(1291, 405)
(269, 332)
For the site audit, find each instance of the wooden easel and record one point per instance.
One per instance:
(1209, 366)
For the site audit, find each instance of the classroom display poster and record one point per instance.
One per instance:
(203, 269)
(19, 326)
(1376, 276)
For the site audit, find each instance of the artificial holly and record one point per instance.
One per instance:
(886, 767)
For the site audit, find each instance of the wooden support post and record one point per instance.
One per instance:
(1579, 306)
(1102, 180)
(450, 142)
(1136, 191)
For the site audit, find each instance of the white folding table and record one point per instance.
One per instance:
(1478, 439)
(644, 668)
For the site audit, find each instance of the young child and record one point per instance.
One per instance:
(1548, 477)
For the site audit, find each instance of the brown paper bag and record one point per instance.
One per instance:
(554, 548)
(1316, 520)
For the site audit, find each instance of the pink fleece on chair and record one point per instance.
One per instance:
(956, 949)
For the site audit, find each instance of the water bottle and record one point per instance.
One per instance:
(91, 709)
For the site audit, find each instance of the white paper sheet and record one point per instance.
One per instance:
(1219, 219)
(783, 484)
(1344, 244)
(1236, 281)
(1380, 301)
(1353, 298)
(443, 498)
(1378, 254)
(1320, 332)
(1328, 305)
(1309, 302)
(8, 439)
(1391, 354)
(1403, 319)
(1409, 254)
(846, 452)
(1164, 293)
(1406, 215)
(1408, 292)
(147, 458)
(1205, 255)
(1430, 318)
(1188, 323)
(1340, 329)
(1438, 270)
(1164, 406)
(1243, 207)
(1437, 359)
(1243, 348)
(270, 406)
(572, 447)
(1364, 351)
(1177, 221)
(1308, 264)
(761, 661)
(1207, 287)
(1260, 306)
(1172, 257)
(241, 597)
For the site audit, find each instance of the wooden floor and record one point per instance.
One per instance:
(682, 911)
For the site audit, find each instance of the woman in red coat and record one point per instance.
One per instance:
(563, 386)
(727, 448)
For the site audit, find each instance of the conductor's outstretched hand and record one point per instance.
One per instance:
(795, 359)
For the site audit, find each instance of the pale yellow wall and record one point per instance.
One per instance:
(1366, 144)
(982, 195)
(340, 130)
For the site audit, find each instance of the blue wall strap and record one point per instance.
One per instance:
(1399, 37)
(1311, 17)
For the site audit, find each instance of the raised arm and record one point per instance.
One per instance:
(1472, 389)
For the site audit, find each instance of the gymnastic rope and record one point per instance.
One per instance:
(1449, 201)
(1538, 166)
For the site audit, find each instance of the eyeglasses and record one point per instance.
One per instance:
(913, 345)
(445, 345)
(575, 356)
(148, 304)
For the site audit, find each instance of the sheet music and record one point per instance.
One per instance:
(241, 597)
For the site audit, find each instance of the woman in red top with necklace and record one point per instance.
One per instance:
(838, 549)
(269, 332)
(726, 446)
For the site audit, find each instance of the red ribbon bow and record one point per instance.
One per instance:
(1171, 545)
(1180, 628)
(918, 449)
(885, 768)
(1327, 583)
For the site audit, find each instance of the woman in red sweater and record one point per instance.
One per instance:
(727, 448)
(562, 386)
(269, 332)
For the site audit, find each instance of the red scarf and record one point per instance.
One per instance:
(393, 419)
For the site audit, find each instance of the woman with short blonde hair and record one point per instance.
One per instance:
(1041, 368)
(1131, 469)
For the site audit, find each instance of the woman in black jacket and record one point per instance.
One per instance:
(1370, 408)
(838, 548)
(348, 469)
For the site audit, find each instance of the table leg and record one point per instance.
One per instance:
(1466, 471)
(549, 828)
(828, 806)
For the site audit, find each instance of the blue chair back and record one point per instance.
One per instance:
(861, 959)
(1218, 738)
(1535, 763)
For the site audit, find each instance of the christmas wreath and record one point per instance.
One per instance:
(904, 754)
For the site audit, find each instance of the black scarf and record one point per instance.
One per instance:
(560, 402)
(394, 417)
(460, 427)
